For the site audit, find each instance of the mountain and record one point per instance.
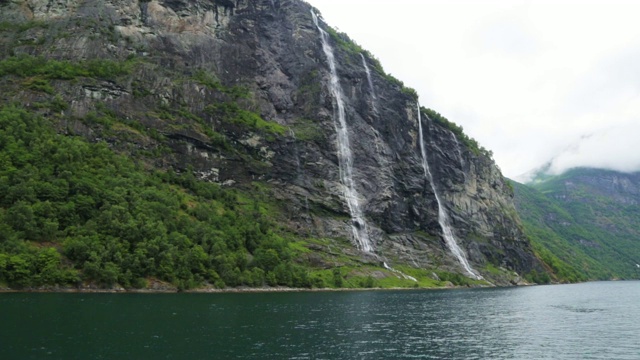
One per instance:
(585, 222)
(227, 143)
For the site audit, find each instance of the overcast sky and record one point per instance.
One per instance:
(530, 80)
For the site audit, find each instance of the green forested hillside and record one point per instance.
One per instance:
(566, 259)
(116, 222)
(581, 226)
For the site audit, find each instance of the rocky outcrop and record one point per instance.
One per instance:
(192, 57)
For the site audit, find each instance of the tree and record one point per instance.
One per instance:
(337, 278)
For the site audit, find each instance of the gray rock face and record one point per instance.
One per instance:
(622, 188)
(273, 49)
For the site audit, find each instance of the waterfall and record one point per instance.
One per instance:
(455, 140)
(404, 276)
(345, 159)
(296, 152)
(443, 218)
(299, 174)
(366, 69)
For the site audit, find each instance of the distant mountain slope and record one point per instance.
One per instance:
(585, 221)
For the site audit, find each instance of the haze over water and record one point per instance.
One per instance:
(583, 321)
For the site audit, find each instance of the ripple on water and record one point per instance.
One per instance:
(584, 321)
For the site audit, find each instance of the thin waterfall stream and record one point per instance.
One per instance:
(299, 170)
(443, 218)
(345, 158)
(366, 69)
(399, 273)
(459, 152)
(374, 104)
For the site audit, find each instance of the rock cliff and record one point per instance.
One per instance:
(238, 92)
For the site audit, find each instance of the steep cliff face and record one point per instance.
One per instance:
(238, 92)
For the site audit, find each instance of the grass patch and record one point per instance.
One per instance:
(210, 81)
(300, 247)
(39, 84)
(458, 279)
(307, 130)
(491, 269)
(35, 66)
(23, 26)
(231, 112)
(174, 116)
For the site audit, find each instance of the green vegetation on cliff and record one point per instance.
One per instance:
(344, 42)
(564, 260)
(457, 130)
(581, 230)
(115, 222)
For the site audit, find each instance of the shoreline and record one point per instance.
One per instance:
(241, 290)
(250, 290)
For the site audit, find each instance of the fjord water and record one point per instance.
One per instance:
(581, 321)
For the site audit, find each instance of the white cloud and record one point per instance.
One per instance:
(525, 78)
(610, 148)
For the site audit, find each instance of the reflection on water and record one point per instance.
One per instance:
(583, 321)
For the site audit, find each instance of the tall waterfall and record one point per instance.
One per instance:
(443, 218)
(366, 69)
(345, 159)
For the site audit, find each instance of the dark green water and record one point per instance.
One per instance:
(583, 321)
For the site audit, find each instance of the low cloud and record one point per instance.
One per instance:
(615, 148)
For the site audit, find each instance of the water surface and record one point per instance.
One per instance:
(582, 321)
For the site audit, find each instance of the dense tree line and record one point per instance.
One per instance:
(73, 211)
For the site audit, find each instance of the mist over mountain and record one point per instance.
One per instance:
(610, 148)
(584, 223)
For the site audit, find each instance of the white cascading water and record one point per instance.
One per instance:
(400, 273)
(345, 159)
(366, 69)
(443, 218)
(455, 140)
(296, 152)
(299, 171)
